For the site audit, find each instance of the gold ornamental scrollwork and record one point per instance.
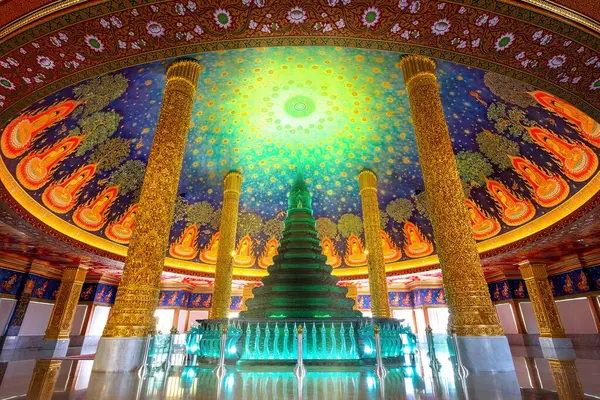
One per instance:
(471, 310)
(137, 295)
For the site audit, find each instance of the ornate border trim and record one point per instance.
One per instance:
(567, 13)
(37, 14)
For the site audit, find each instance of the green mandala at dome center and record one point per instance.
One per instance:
(299, 106)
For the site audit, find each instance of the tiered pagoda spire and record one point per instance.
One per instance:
(300, 283)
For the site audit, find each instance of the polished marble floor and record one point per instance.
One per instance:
(534, 379)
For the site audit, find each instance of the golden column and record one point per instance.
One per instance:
(227, 232)
(59, 326)
(247, 294)
(353, 294)
(137, 296)
(542, 301)
(566, 379)
(471, 310)
(380, 306)
(43, 379)
(138, 291)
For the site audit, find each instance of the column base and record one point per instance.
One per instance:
(110, 386)
(485, 353)
(120, 354)
(558, 348)
(54, 347)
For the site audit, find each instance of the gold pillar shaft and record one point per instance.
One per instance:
(137, 295)
(353, 294)
(43, 379)
(59, 326)
(380, 306)
(471, 309)
(566, 379)
(227, 233)
(542, 301)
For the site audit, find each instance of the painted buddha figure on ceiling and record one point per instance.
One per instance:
(91, 217)
(548, 190)
(21, 132)
(355, 254)
(186, 248)
(61, 197)
(484, 226)
(121, 230)
(514, 211)
(34, 170)
(588, 127)
(577, 161)
(573, 157)
(391, 253)
(415, 245)
(266, 260)
(244, 256)
(334, 260)
(209, 253)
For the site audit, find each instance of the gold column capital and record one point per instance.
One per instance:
(367, 179)
(233, 182)
(353, 294)
(187, 70)
(247, 293)
(529, 270)
(412, 66)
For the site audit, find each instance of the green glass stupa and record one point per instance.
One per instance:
(300, 283)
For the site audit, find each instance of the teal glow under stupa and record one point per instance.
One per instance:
(300, 283)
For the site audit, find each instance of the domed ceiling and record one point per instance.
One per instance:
(76, 159)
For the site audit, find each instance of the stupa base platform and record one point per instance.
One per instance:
(325, 342)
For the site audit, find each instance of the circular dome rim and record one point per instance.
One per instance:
(12, 193)
(344, 40)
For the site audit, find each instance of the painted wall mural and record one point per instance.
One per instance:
(572, 282)
(98, 293)
(508, 289)
(10, 281)
(326, 111)
(43, 288)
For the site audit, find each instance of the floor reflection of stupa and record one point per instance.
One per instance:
(301, 291)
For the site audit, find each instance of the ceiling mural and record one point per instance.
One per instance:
(98, 38)
(76, 159)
